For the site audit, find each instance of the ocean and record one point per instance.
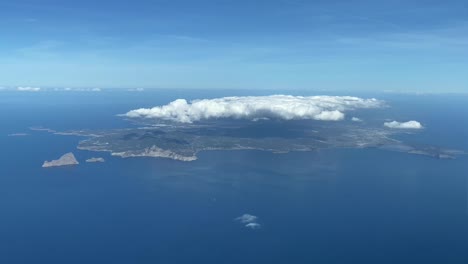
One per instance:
(325, 206)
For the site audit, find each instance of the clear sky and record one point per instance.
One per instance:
(339, 45)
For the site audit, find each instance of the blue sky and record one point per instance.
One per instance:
(330, 45)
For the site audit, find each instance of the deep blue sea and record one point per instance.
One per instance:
(328, 206)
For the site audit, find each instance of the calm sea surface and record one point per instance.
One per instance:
(328, 206)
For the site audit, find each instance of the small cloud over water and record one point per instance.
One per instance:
(249, 221)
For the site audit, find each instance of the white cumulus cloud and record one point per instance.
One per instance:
(287, 107)
(356, 119)
(28, 89)
(404, 125)
(246, 218)
(249, 221)
(253, 225)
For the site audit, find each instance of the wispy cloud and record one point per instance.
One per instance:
(43, 49)
(31, 20)
(441, 38)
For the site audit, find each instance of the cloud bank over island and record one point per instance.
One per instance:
(286, 107)
(404, 125)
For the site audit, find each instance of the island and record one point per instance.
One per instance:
(65, 160)
(183, 142)
(95, 160)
